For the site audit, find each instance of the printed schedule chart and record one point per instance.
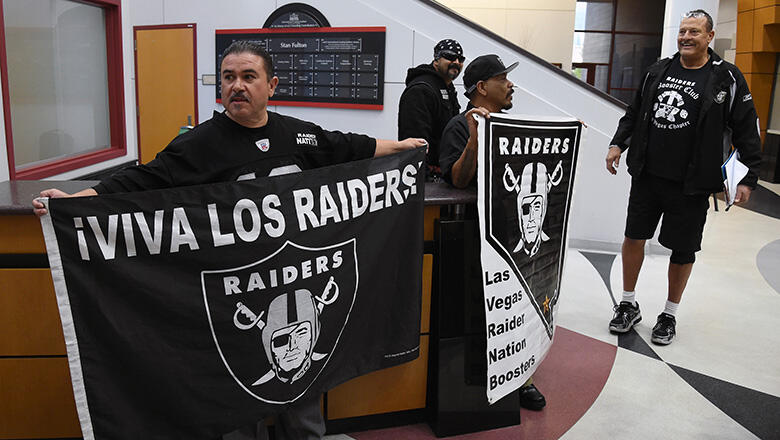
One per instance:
(320, 67)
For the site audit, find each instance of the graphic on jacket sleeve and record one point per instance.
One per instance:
(292, 306)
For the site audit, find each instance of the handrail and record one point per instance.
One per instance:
(490, 34)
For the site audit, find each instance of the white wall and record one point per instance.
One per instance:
(726, 29)
(598, 209)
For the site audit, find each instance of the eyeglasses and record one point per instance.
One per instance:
(451, 56)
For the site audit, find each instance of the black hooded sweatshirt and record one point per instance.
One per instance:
(426, 105)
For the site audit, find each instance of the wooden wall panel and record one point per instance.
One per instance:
(398, 388)
(764, 39)
(764, 3)
(427, 278)
(29, 318)
(745, 31)
(745, 5)
(756, 62)
(21, 234)
(36, 399)
(431, 213)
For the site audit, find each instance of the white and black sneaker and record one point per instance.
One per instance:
(664, 331)
(626, 315)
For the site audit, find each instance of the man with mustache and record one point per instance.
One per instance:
(430, 100)
(689, 110)
(247, 141)
(489, 91)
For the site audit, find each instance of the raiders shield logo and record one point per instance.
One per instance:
(720, 97)
(263, 144)
(277, 321)
(527, 200)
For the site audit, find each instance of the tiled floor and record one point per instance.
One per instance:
(720, 379)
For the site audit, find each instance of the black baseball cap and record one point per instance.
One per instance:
(483, 68)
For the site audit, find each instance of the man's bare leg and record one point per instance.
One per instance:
(678, 279)
(627, 312)
(633, 254)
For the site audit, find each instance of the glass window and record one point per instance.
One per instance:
(60, 73)
(591, 47)
(774, 117)
(632, 55)
(601, 78)
(614, 41)
(593, 15)
(640, 16)
(58, 86)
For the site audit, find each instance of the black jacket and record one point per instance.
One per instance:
(727, 117)
(426, 105)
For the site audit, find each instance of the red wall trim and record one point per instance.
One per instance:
(116, 99)
(323, 104)
(302, 30)
(328, 105)
(9, 139)
(72, 163)
(194, 69)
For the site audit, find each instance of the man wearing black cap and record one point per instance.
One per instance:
(430, 99)
(489, 91)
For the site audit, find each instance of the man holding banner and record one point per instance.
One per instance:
(489, 91)
(244, 143)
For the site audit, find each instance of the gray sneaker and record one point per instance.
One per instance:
(664, 331)
(626, 315)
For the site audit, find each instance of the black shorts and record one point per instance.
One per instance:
(684, 215)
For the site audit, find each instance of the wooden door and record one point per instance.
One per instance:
(166, 84)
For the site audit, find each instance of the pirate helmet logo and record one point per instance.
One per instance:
(290, 331)
(277, 321)
(532, 188)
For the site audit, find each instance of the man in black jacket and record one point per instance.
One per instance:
(689, 111)
(430, 100)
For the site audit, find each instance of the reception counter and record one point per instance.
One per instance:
(36, 398)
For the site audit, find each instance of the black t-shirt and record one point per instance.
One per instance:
(453, 141)
(221, 150)
(673, 120)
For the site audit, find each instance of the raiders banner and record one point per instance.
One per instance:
(526, 175)
(190, 312)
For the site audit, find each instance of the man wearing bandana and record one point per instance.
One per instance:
(430, 100)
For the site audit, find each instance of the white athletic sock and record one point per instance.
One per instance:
(630, 297)
(671, 308)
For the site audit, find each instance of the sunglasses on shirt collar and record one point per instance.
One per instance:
(451, 56)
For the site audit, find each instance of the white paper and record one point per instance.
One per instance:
(734, 171)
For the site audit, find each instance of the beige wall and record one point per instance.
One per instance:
(542, 27)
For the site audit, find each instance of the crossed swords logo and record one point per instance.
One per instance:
(290, 331)
(532, 188)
